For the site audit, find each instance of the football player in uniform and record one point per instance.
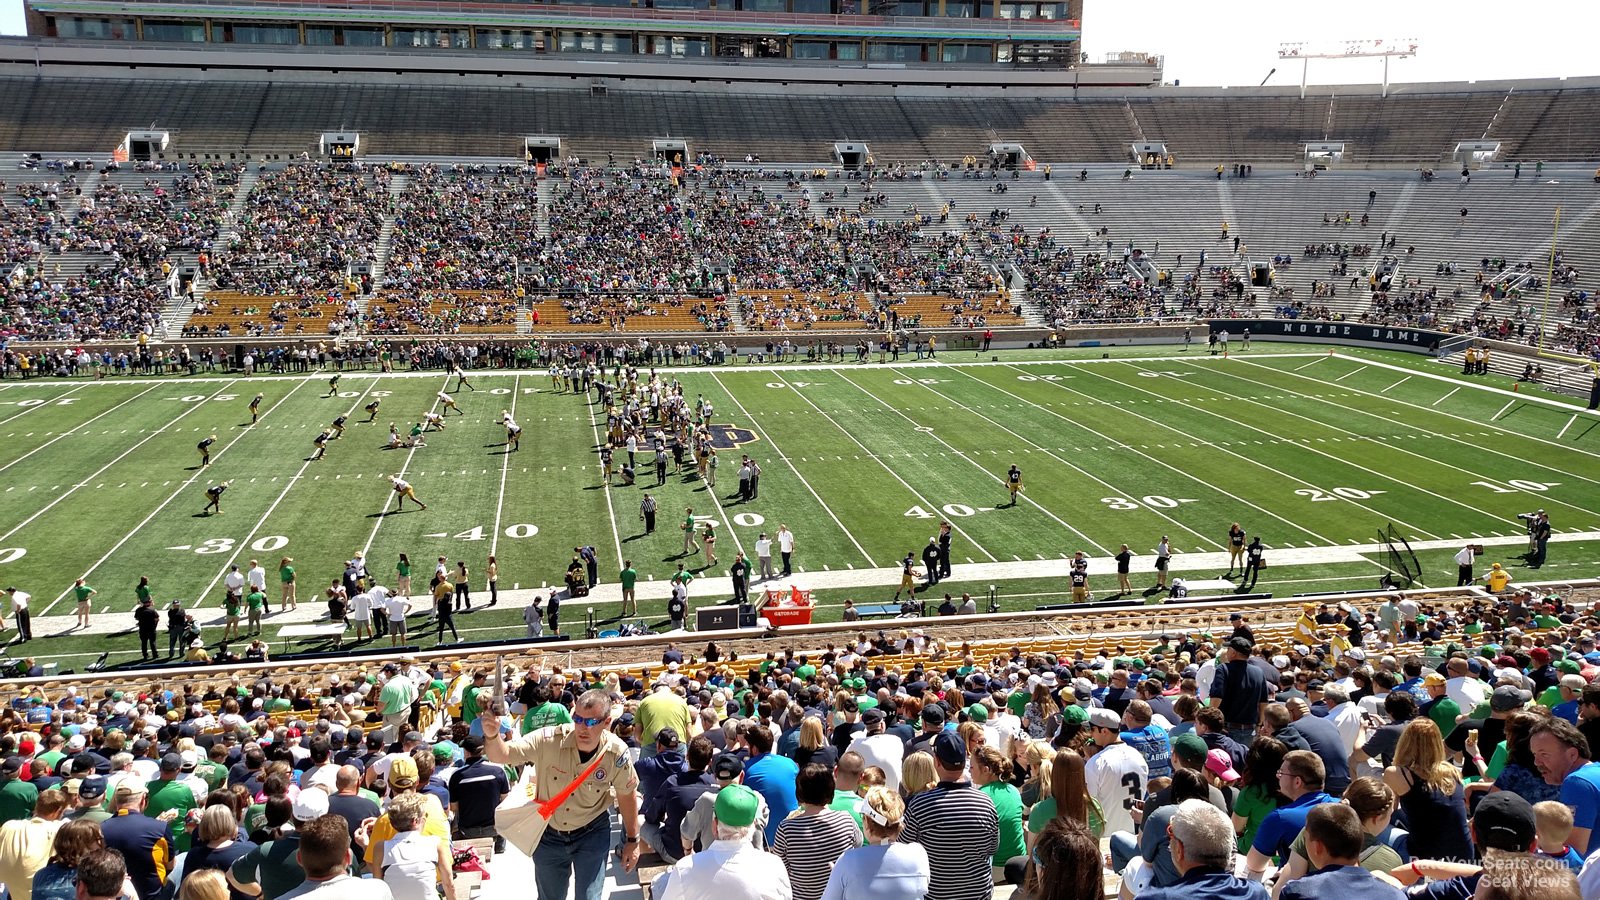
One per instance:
(461, 379)
(338, 428)
(333, 384)
(1014, 483)
(449, 404)
(395, 440)
(513, 431)
(321, 443)
(214, 498)
(255, 410)
(402, 490)
(372, 410)
(432, 420)
(205, 450)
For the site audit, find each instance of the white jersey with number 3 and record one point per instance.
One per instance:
(1116, 777)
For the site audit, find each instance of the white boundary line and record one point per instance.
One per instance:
(896, 475)
(43, 404)
(1525, 458)
(118, 458)
(1448, 396)
(171, 497)
(1486, 388)
(321, 375)
(968, 457)
(1392, 447)
(1415, 531)
(244, 544)
(717, 377)
(1112, 440)
(1190, 475)
(505, 466)
(611, 509)
(410, 454)
(1395, 447)
(70, 431)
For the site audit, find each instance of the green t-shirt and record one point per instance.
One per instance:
(142, 592)
(1473, 628)
(165, 795)
(1017, 702)
(847, 801)
(1008, 806)
(83, 592)
(1253, 804)
(273, 866)
(403, 570)
(1045, 810)
(1546, 621)
(213, 774)
(17, 799)
(551, 713)
(469, 702)
(231, 606)
(286, 574)
(1444, 714)
(805, 672)
(257, 600)
(628, 577)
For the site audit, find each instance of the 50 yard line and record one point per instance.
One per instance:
(505, 466)
(172, 497)
(896, 475)
(773, 444)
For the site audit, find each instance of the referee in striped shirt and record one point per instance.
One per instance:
(957, 824)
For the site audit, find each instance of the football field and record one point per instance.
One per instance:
(1314, 452)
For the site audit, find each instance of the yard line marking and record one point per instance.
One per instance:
(1566, 426)
(896, 475)
(1452, 394)
(1310, 364)
(611, 510)
(1106, 484)
(1509, 404)
(74, 429)
(1190, 475)
(768, 438)
(50, 402)
(1349, 373)
(163, 505)
(1394, 447)
(1395, 385)
(69, 492)
(1525, 459)
(505, 466)
(288, 486)
(1551, 500)
(321, 374)
(410, 454)
(997, 479)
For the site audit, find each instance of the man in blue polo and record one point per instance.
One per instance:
(1300, 778)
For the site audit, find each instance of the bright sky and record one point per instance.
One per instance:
(1236, 42)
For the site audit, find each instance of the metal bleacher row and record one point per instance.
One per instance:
(469, 121)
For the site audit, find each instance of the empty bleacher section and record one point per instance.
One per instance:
(1410, 125)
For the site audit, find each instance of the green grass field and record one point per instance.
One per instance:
(1314, 452)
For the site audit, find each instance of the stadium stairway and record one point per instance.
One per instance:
(380, 253)
(546, 191)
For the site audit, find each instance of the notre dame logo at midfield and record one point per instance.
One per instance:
(731, 437)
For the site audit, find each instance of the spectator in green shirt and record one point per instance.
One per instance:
(256, 601)
(167, 792)
(17, 797)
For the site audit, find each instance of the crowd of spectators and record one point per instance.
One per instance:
(1457, 735)
(130, 233)
(439, 312)
(463, 227)
(302, 228)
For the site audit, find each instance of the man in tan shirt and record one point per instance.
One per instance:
(579, 834)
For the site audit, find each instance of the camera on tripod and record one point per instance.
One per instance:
(1528, 517)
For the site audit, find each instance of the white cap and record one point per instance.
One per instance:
(312, 803)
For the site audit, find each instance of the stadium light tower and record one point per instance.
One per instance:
(1361, 49)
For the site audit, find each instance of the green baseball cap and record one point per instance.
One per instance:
(1191, 747)
(1073, 714)
(977, 712)
(737, 806)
